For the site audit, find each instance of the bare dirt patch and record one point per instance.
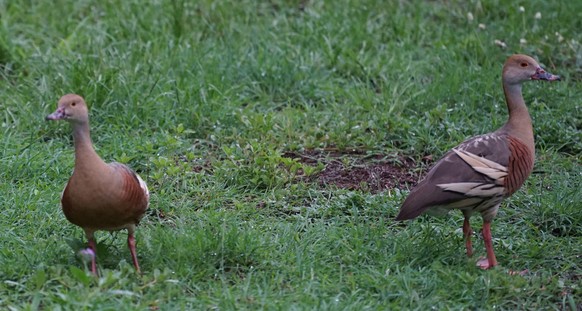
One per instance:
(356, 170)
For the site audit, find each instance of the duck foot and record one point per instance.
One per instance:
(93, 247)
(484, 263)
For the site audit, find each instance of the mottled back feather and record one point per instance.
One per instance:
(453, 169)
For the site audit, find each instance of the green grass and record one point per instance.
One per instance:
(202, 98)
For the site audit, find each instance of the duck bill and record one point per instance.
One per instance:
(59, 114)
(541, 74)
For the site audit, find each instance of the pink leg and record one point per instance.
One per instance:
(490, 261)
(93, 247)
(131, 244)
(467, 232)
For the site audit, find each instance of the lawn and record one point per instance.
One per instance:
(260, 128)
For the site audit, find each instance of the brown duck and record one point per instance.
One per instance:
(99, 196)
(480, 172)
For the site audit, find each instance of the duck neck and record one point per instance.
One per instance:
(519, 124)
(85, 155)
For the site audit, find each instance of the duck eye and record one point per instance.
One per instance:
(73, 104)
(523, 65)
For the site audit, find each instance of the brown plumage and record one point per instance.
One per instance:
(479, 173)
(99, 196)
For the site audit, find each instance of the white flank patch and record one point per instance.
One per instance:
(473, 189)
(143, 186)
(486, 167)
